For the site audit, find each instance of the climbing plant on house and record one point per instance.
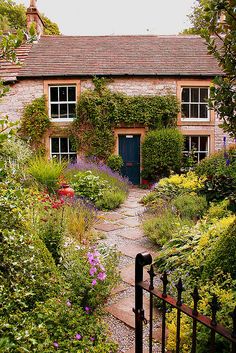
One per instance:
(100, 110)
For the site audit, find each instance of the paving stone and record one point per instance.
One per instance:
(123, 310)
(130, 222)
(129, 212)
(131, 233)
(120, 288)
(108, 227)
(132, 250)
(113, 216)
(128, 274)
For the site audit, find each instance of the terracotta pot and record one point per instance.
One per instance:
(66, 191)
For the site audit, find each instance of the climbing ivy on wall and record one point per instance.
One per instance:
(100, 110)
(35, 122)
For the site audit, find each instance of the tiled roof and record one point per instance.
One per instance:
(8, 70)
(119, 55)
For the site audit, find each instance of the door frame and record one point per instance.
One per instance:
(141, 131)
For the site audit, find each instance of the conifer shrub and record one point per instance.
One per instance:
(162, 152)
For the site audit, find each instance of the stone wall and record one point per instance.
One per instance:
(20, 94)
(138, 86)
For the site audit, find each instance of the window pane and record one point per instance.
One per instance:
(65, 157)
(185, 95)
(56, 157)
(63, 111)
(63, 94)
(55, 144)
(194, 142)
(203, 111)
(203, 143)
(186, 143)
(185, 110)
(64, 144)
(201, 156)
(194, 95)
(54, 111)
(73, 158)
(203, 94)
(71, 94)
(54, 94)
(71, 111)
(194, 110)
(72, 146)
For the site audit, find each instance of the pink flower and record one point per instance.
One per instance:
(94, 282)
(68, 303)
(92, 271)
(87, 309)
(78, 336)
(55, 345)
(102, 276)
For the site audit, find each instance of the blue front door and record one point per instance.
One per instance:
(129, 150)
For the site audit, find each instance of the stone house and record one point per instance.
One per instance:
(61, 67)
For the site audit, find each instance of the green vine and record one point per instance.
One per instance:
(100, 110)
(35, 122)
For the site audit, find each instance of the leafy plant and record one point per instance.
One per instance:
(162, 152)
(115, 162)
(160, 229)
(46, 172)
(190, 205)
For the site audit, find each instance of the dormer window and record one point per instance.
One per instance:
(62, 103)
(194, 105)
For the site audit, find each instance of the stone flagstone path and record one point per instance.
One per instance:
(122, 228)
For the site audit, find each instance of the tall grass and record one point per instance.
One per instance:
(46, 172)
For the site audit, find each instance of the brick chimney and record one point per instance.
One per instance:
(33, 16)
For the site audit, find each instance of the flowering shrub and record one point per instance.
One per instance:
(98, 183)
(97, 269)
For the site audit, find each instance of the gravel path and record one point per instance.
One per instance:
(122, 228)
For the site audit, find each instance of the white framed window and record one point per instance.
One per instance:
(62, 149)
(194, 105)
(197, 146)
(62, 102)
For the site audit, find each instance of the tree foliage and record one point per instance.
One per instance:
(215, 21)
(13, 17)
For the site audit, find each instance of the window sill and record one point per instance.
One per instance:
(69, 120)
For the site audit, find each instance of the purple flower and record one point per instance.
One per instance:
(92, 339)
(55, 345)
(92, 271)
(78, 336)
(94, 282)
(227, 162)
(68, 303)
(87, 309)
(102, 276)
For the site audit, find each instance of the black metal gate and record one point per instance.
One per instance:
(144, 259)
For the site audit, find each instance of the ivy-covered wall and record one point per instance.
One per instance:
(100, 110)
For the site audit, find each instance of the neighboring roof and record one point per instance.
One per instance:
(175, 55)
(9, 70)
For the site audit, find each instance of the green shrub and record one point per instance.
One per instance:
(90, 186)
(106, 192)
(162, 152)
(110, 199)
(115, 162)
(190, 205)
(220, 172)
(223, 254)
(14, 156)
(162, 228)
(46, 172)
